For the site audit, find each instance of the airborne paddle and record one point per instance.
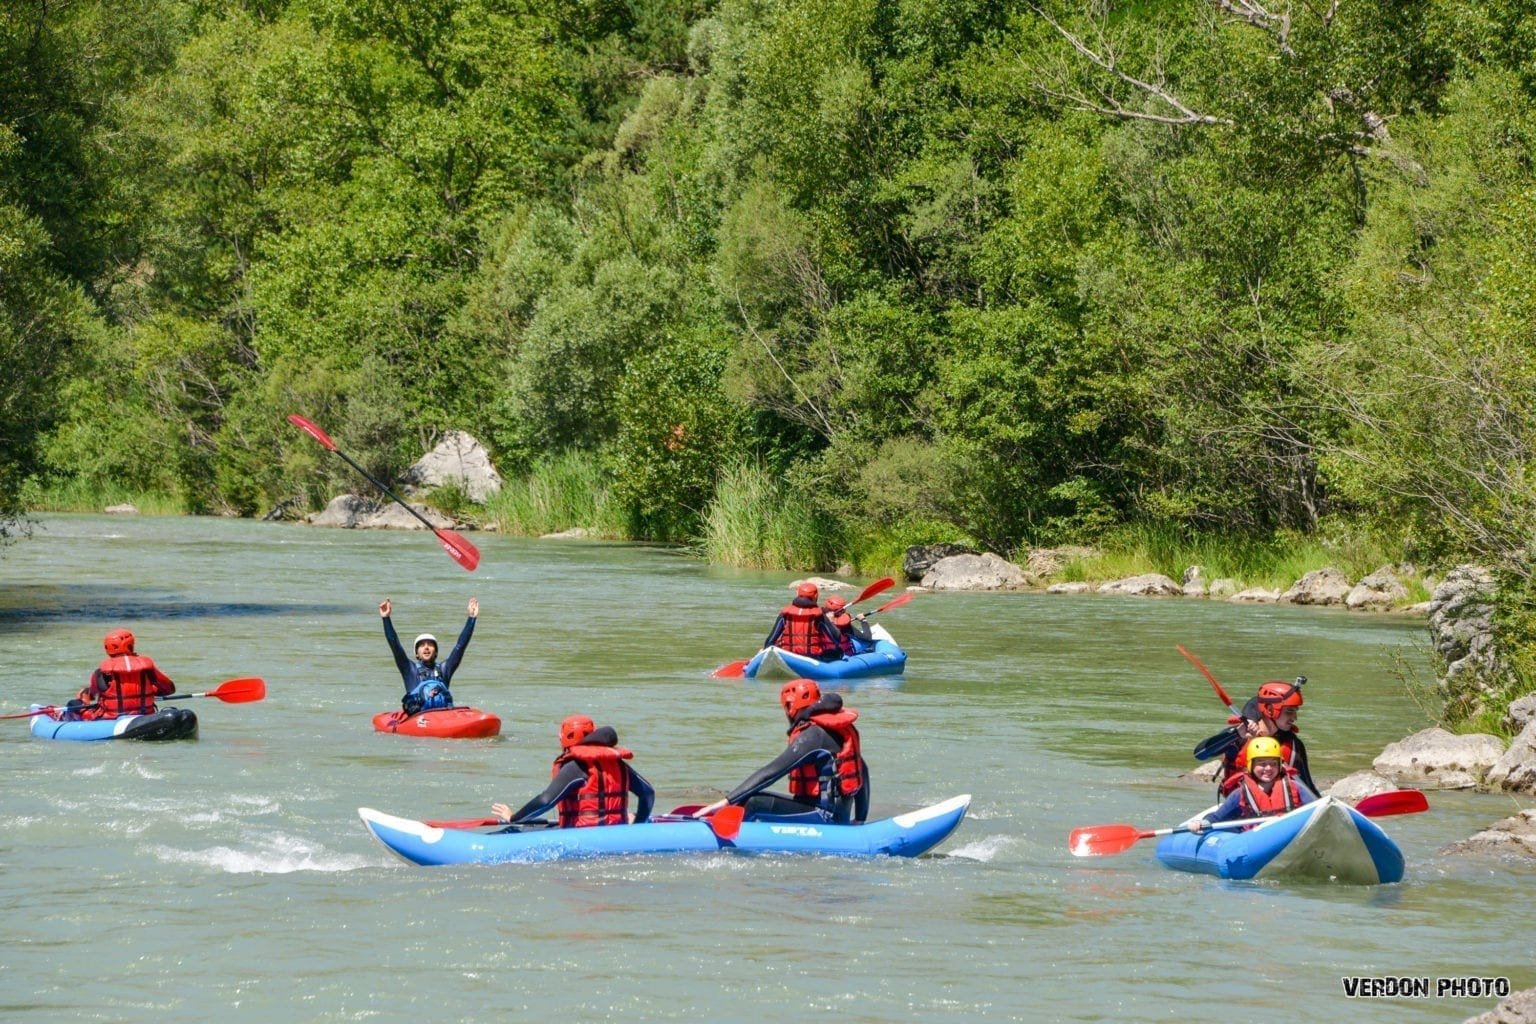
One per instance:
(735, 669)
(1106, 840)
(1211, 678)
(459, 549)
(231, 691)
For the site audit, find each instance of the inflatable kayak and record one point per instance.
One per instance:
(1326, 840)
(442, 724)
(883, 659)
(905, 835)
(165, 724)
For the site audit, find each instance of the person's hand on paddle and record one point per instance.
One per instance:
(1195, 825)
(704, 812)
(384, 607)
(502, 812)
(474, 607)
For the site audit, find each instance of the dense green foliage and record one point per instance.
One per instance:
(797, 281)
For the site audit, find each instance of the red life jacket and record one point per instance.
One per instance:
(802, 633)
(1283, 796)
(604, 799)
(1235, 767)
(126, 684)
(842, 620)
(847, 764)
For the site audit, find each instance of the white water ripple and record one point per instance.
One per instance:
(271, 854)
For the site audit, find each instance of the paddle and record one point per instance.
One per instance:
(896, 603)
(726, 823)
(231, 691)
(735, 669)
(459, 549)
(1105, 840)
(1211, 678)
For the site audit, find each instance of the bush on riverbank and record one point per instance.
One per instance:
(759, 522)
(569, 490)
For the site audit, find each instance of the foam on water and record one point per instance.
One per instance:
(271, 854)
(982, 849)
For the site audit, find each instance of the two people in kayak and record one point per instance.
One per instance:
(1265, 789)
(804, 628)
(125, 683)
(1269, 714)
(426, 679)
(590, 782)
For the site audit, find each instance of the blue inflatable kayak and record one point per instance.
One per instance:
(905, 835)
(165, 724)
(883, 659)
(1326, 840)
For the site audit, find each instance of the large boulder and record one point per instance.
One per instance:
(1515, 1008)
(1320, 586)
(1383, 588)
(1151, 584)
(1436, 759)
(393, 517)
(1253, 595)
(1522, 711)
(458, 460)
(1516, 834)
(346, 511)
(922, 557)
(974, 572)
(1356, 787)
(1461, 629)
(1516, 770)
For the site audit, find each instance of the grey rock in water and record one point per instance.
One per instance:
(1320, 587)
(1150, 584)
(975, 572)
(1068, 588)
(1383, 588)
(458, 460)
(574, 533)
(1437, 759)
(127, 508)
(1255, 595)
(393, 517)
(345, 511)
(1515, 1008)
(1193, 583)
(1515, 771)
(1515, 834)
(823, 584)
(922, 557)
(1223, 586)
(1356, 787)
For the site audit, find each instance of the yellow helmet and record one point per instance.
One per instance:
(1261, 747)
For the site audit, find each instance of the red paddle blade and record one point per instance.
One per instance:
(312, 430)
(1398, 801)
(882, 584)
(897, 603)
(461, 550)
(727, 821)
(1103, 840)
(730, 670)
(239, 691)
(463, 822)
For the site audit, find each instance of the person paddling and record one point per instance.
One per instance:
(1272, 713)
(1266, 789)
(854, 633)
(426, 679)
(125, 683)
(589, 782)
(827, 773)
(803, 628)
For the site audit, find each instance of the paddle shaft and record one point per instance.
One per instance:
(230, 691)
(1221, 693)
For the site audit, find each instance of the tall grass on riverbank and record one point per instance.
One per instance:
(1271, 562)
(80, 495)
(569, 490)
(756, 522)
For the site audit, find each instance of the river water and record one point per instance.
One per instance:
(229, 878)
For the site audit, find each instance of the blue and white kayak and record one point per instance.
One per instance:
(905, 835)
(883, 659)
(1326, 840)
(165, 724)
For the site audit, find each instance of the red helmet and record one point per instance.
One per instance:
(797, 695)
(119, 641)
(1275, 695)
(575, 729)
(836, 603)
(806, 590)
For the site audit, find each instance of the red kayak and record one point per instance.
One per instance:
(443, 724)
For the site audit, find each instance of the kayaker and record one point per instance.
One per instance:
(125, 683)
(803, 628)
(853, 630)
(827, 773)
(426, 679)
(1266, 789)
(1271, 713)
(589, 781)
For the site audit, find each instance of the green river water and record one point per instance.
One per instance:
(229, 878)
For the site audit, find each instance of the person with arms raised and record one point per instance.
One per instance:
(827, 772)
(125, 683)
(803, 628)
(590, 782)
(426, 679)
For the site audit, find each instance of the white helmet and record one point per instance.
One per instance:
(424, 637)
